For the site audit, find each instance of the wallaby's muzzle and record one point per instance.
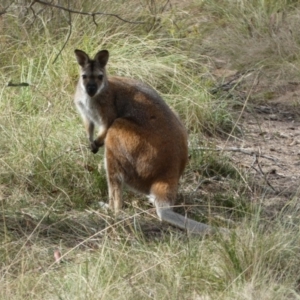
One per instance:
(91, 89)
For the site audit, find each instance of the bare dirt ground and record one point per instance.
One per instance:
(268, 148)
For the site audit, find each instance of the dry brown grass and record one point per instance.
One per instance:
(50, 184)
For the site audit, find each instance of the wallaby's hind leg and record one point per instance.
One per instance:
(164, 195)
(114, 180)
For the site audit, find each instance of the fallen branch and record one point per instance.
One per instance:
(72, 11)
(68, 37)
(233, 82)
(262, 173)
(92, 14)
(18, 84)
(254, 153)
(244, 151)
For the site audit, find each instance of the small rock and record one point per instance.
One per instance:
(282, 135)
(273, 117)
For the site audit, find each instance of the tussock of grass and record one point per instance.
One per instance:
(270, 25)
(243, 266)
(50, 183)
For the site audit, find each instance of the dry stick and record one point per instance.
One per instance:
(68, 37)
(4, 11)
(164, 7)
(84, 12)
(252, 153)
(265, 177)
(234, 82)
(204, 181)
(244, 151)
(70, 11)
(260, 171)
(10, 83)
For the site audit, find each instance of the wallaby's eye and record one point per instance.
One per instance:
(100, 77)
(84, 76)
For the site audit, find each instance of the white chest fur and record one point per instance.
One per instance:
(89, 110)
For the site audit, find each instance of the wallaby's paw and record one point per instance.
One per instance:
(94, 147)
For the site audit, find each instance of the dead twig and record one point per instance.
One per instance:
(242, 150)
(233, 82)
(206, 180)
(72, 11)
(11, 84)
(265, 177)
(251, 152)
(4, 11)
(262, 173)
(92, 14)
(68, 37)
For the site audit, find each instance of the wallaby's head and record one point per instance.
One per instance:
(93, 76)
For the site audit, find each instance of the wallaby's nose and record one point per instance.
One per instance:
(91, 89)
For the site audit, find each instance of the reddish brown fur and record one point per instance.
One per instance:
(145, 142)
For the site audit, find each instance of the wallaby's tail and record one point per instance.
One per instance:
(171, 217)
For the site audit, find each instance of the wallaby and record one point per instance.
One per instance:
(145, 142)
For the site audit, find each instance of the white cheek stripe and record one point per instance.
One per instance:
(82, 85)
(101, 87)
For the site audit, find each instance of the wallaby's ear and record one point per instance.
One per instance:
(102, 58)
(82, 57)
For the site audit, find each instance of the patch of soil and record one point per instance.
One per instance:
(269, 146)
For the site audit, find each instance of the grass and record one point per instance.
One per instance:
(50, 183)
(243, 267)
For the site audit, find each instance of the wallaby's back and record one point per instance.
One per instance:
(147, 134)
